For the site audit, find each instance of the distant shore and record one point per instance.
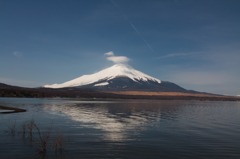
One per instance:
(13, 91)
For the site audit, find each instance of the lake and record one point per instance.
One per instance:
(121, 129)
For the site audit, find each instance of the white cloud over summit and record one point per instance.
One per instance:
(116, 59)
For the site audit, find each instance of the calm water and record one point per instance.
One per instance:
(124, 129)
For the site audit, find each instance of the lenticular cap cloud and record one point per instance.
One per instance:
(116, 59)
(110, 53)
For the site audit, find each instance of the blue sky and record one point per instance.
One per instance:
(193, 43)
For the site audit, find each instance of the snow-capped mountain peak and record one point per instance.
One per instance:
(117, 70)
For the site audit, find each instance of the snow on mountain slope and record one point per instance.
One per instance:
(118, 70)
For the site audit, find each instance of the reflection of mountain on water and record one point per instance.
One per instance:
(117, 120)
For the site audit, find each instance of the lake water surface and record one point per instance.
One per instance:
(134, 129)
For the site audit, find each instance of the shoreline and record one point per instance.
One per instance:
(7, 110)
(131, 97)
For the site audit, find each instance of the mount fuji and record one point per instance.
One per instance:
(119, 77)
(119, 81)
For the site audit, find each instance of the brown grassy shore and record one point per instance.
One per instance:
(11, 110)
(177, 95)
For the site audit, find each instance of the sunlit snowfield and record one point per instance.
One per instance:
(123, 129)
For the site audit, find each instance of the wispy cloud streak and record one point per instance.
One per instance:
(178, 55)
(139, 34)
(17, 54)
